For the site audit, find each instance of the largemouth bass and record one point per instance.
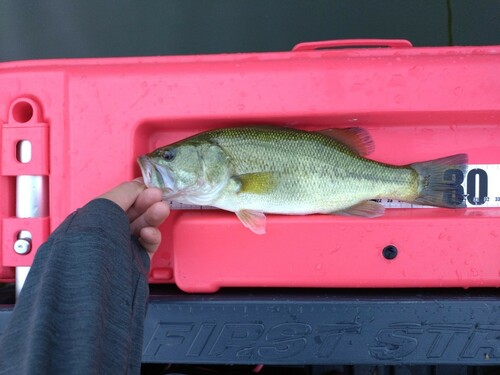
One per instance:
(265, 169)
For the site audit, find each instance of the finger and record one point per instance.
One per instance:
(125, 194)
(139, 179)
(146, 198)
(154, 216)
(150, 239)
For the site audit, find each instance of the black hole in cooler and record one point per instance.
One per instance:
(390, 252)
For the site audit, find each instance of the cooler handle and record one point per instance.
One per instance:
(346, 43)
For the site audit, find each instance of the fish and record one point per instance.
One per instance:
(258, 170)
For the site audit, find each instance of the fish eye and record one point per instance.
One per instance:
(169, 155)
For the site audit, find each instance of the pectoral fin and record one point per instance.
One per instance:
(256, 183)
(367, 209)
(357, 139)
(253, 220)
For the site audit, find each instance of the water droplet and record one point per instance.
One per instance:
(458, 90)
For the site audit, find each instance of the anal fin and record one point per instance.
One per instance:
(368, 209)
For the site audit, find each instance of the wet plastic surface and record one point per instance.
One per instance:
(418, 104)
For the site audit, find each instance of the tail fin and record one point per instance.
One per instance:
(440, 181)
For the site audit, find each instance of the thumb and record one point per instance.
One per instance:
(125, 194)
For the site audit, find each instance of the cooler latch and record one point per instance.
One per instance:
(25, 157)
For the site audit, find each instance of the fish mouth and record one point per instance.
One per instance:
(154, 176)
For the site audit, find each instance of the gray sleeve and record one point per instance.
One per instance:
(82, 308)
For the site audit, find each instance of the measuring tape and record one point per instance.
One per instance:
(481, 187)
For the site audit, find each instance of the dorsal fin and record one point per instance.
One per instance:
(357, 139)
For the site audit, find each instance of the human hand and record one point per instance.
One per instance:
(145, 211)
